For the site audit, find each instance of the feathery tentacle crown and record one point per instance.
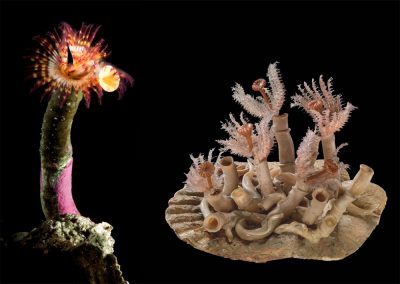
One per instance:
(271, 99)
(326, 109)
(245, 142)
(202, 175)
(70, 60)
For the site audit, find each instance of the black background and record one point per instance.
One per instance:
(130, 155)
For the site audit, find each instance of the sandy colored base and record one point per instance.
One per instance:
(184, 216)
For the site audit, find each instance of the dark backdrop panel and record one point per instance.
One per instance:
(131, 155)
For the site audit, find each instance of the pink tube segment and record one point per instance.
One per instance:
(63, 189)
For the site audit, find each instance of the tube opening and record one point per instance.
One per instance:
(280, 122)
(303, 203)
(321, 196)
(366, 169)
(282, 116)
(226, 161)
(251, 224)
(236, 193)
(212, 223)
(330, 221)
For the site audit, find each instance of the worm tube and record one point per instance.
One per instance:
(56, 156)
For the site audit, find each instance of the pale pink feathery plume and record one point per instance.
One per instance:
(307, 154)
(271, 100)
(247, 140)
(325, 108)
(203, 173)
(328, 123)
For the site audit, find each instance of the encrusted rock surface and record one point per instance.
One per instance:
(90, 244)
